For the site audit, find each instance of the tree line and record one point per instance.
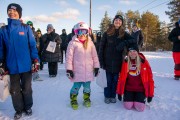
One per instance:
(155, 31)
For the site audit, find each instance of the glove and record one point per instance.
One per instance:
(96, 71)
(2, 71)
(70, 74)
(35, 66)
(121, 46)
(119, 97)
(149, 99)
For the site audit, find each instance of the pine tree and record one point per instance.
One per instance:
(105, 22)
(150, 25)
(174, 13)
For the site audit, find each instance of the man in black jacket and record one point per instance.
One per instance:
(137, 34)
(64, 43)
(174, 37)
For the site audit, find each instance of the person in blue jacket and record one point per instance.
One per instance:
(18, 56)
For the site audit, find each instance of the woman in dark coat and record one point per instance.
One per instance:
(111, 53)
(50, 57)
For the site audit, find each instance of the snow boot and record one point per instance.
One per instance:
(74, 103)
(28, 112)
(87, 101)
(17, 115)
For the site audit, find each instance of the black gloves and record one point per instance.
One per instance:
(149, 99)
(119, 97)
(2, 70)
(96, 71)
(70, 74)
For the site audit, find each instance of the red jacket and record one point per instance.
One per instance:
(146, 77)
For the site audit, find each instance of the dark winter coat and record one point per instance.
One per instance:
(17, 47)
(112, 51)
(139, 37)
(173, 37)
(98, 39)
(49, 56)
(69, 37)
(64, 43)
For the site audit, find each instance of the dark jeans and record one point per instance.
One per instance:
(110, 90)
(62, 50)
(130, 96)
(21, 91)
(52, 67)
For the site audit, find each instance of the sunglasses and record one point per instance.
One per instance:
(30, 24)
(81, 32)
(38, 33)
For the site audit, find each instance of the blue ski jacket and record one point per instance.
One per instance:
(17, 47)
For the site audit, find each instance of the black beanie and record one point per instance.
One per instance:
(133, 47)
(118, 17)
(38, 30)
(16, 7)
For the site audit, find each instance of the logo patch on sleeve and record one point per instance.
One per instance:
(21, 33)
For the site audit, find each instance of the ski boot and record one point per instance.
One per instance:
(87, 101)
(74, 103)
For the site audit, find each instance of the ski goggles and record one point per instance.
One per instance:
(81, 32)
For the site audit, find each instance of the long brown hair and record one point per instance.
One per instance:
(111, 31)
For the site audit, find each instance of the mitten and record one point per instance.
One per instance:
(2, 71)
(70, 74)
(96, 71)
(119, 97)
(149, 99)
(35, 66)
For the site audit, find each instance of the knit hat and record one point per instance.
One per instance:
(135, 25)
(50, 26)
(118, 17)
(133, 47)
(29, 23)
(16, 7)
(38, 30)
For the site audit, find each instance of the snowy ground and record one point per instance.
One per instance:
(51, 97)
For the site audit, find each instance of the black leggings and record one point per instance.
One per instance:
(130, 96)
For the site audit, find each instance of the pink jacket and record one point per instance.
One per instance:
(81, 61)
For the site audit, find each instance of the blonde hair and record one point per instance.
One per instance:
(86, 42)
(137, 62)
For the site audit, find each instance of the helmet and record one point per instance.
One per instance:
(29, 23)
(80, 26)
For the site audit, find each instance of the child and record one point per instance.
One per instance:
(135, 82)
(82, 63)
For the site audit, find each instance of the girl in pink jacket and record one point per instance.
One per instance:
(82, 64)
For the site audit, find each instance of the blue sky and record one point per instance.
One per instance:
(66, 13)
